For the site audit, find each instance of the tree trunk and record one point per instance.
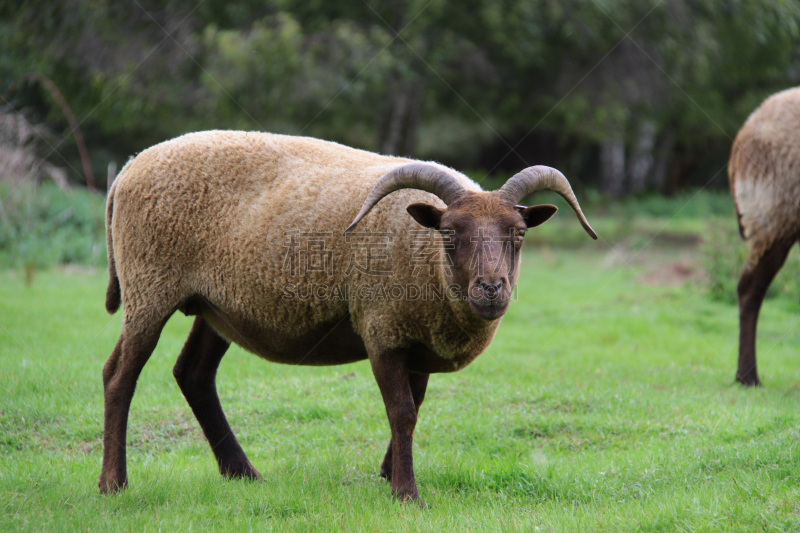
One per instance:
(397, 135)
(612, 166)
(641, 160)
(663, 159)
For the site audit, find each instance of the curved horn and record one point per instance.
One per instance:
(540, 178)
(420, 176)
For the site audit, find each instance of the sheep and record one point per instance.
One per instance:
(764, 178)
(209, 224)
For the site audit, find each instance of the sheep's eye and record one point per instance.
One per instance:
(520, 233)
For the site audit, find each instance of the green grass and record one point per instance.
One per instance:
(604, 404)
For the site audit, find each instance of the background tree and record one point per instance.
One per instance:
(624, 96)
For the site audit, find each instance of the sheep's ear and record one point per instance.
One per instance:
(426, 215)
(536, 214)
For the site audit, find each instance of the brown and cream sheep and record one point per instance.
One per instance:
(764, 176)
(244, 230)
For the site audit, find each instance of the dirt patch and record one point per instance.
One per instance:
(677, 273)
(678, 239)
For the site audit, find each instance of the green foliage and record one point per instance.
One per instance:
(635, 222)
(46, 226)
(456, 76)
(690, 204)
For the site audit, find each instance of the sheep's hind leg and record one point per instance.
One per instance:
(752, 288)
(195, 372)
(418, 384)
(134, 347)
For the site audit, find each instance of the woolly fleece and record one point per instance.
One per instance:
(764, 173)
(204, 223)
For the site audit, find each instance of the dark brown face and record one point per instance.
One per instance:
(484, 236)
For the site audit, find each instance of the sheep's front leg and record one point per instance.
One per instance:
(393, 380)
(418, 384)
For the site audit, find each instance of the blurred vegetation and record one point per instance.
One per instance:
(623, 96)
(47, 226)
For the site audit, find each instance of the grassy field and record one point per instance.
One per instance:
(605, 403)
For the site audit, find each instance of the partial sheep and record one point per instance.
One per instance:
(245, 231)
(764, 176)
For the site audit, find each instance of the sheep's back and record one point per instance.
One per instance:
(227, 215)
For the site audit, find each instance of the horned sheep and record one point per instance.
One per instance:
(764, 177)
(234, 227)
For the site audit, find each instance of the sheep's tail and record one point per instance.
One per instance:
(739, 220)
(746, 165)
(113, 293)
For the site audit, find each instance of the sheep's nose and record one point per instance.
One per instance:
(490, 290)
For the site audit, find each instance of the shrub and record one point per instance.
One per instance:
(45, 226)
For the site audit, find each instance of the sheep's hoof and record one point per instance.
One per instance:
(749, 380)
(410, 499)
(241, 471)
(406, 494)
(111, 486)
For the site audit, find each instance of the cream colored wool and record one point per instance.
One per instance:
(764, 173)
(207, 215)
